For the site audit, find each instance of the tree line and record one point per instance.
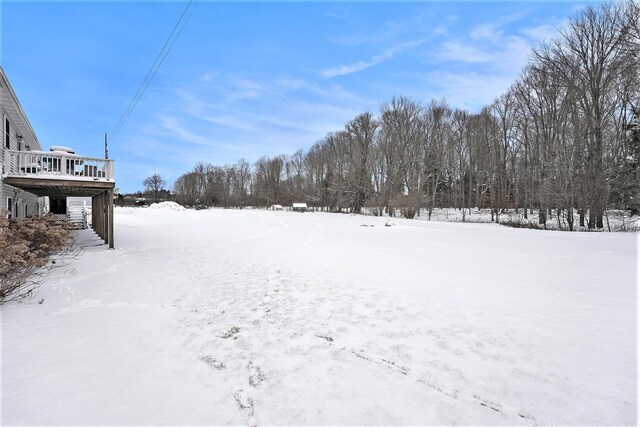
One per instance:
(565, 137)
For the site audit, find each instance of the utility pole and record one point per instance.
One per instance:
(106, 148)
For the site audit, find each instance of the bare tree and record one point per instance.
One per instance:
(401, 135)
(360, 136)
(268, 176)
(186, 189)
(459, 145)
(435, 131)
(243, 179)
(154, 184)
(587, 58)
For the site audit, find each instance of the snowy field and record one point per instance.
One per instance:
(254, 317)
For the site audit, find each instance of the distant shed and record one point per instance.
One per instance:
(276, 208)
(299, 207)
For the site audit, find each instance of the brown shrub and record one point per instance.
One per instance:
(25, 246)
(409, 205)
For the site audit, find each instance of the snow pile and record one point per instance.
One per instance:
(250, 317)
(168, 206)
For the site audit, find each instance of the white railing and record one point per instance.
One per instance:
(50, 164)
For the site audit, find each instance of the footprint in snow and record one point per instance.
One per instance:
(256, 375)
(245, 403)
(230, 333)
(213, 362)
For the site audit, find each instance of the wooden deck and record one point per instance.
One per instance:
(66, 182)
(56, 164)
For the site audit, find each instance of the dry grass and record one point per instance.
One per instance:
(26, 245)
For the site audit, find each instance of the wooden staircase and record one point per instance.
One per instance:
(77, 214)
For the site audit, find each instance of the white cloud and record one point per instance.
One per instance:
(515, 54)
(423, 22)
(440, 30)
(292, 84)
(208, 123)
(486, 32)
(487, 61)
(462, 52)
(245, 89)
(544, 32)
(490, 47)
(343, 70)
(228, 120)
(207, 77)
(231, 89)
(469, 90)
(177, 129)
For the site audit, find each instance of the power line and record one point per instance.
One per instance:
(168, 44)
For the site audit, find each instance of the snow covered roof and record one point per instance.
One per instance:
(62, 148)
(63, 153)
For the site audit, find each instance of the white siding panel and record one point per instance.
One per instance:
(3, 198)
(30, 203)
(30, 199)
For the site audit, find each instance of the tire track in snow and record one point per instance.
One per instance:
(452, 393)
(264, 313)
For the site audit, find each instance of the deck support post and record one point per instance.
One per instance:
(109, 196)
(102, 216)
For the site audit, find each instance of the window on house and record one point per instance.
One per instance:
(9, 207)
(7, 134)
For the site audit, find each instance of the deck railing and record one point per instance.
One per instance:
(44, 164)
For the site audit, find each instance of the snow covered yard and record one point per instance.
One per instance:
(259, 317)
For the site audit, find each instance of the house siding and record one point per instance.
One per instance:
(18, 125)
(27, 203)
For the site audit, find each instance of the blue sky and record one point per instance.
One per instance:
(251, 79)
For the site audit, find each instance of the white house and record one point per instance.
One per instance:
(17, 135)
(29, 174)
